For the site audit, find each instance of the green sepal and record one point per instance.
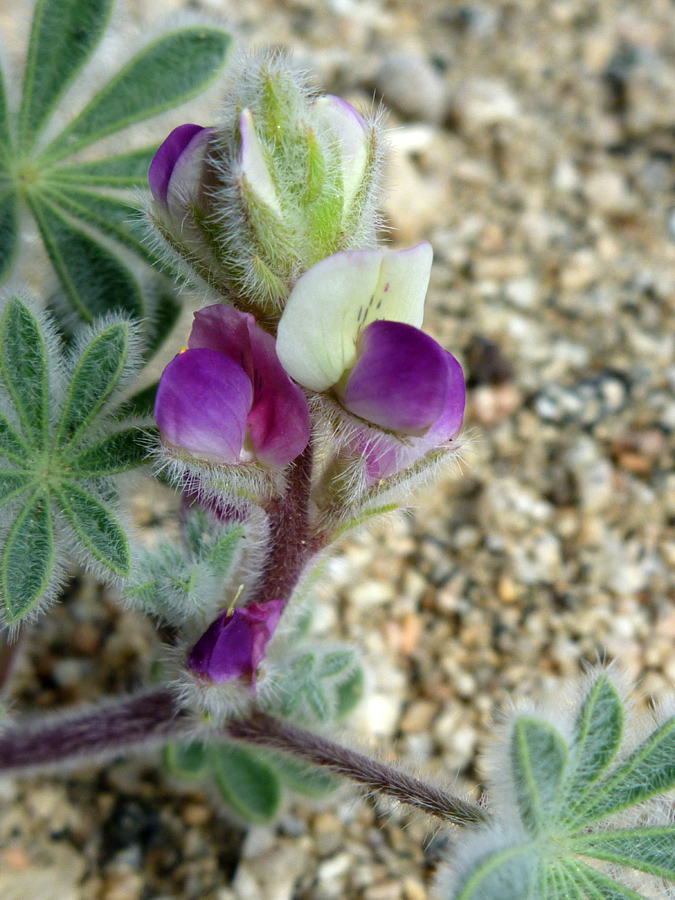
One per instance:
(247, 783)
(118, 452)
(27, 558)
(301, 778)
(23, 364)
(648, 771)
(94, 280)
(9, 225)
(187, 759)
(650, 850)
(13, 483)
(539, 757)
(63, 36)
(164, 74)
(96, 528)
(126, 170)
(95, 377)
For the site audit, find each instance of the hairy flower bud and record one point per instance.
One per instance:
(291, 178)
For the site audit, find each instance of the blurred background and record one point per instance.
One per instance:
(532, 143)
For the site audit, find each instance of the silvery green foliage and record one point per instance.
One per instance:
(79, 205)
(183, 583)
(581, 812)
(62, 446)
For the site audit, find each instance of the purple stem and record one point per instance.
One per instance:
(108, 729)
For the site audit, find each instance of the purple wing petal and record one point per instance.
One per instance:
(201, 406)
(278, 422)
(162, 165)
(400, 378)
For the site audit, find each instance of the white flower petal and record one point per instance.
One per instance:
(253, 164)
(350, 130)
(334, 301)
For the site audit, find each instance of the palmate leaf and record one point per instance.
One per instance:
(126, 170)
(96, 528)
(538, 759)
(9, 225)
(650, 850)
(63, 36)
(13, 483)
(27, 559)
(12, 445)
(190, 760)
(166, 73)
(118, 452)
(94, 279)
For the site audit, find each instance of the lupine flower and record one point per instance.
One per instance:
(351, 327)
(227, 399)
(234, 645)
(176, 175)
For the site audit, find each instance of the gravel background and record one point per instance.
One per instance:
(533, 145)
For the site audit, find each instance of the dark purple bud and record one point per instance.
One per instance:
(234, 645)
(400, 380)
(164, 161)
(202, 402)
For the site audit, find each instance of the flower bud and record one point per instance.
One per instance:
(234, 645)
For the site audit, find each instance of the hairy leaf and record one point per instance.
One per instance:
(126, 170)
(63, 37)
(246, 782)
(116, 453)
(5, 132)
(95, 376)
(12, 446)
(598, 886)
(350, 693)
(164, 308)
(310, 781)
(538, 757)
(507, 875)
(96, 528)
(23, 364)
(140, 404)
(187, 759)
(27, 558)
(222, 553)
(94, 280)
(649, 849)
(167, 72)
(9, 225)
(13, 483)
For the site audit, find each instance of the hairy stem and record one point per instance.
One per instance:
(105, 730)
(266, 731)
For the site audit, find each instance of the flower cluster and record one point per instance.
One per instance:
(340, 354)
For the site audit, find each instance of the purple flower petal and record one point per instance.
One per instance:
(278, 421)
(162, 165)
(385, 454)
(234, 645)
(202, 402)
(400, 378)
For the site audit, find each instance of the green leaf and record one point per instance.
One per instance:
(115, 217)
(246, 782)
(317, 701)
(506, 874)
(126, 170)
(599, 886)
(116, 453)
(334, 663)
(350, 693)
(187, 759)
(96, 528)
(12, 446)
(538, 758)
(23, 364)
(648, 849)
(164, 308)
(598, 735)
(13, 483)
(310, 781)
(163, 75)
(63, 37)
(648, 771)
(94, 280)
(27, 558)
(95, 377)
(561, 886)
(221, 555)
(5, 132)
(9, 226)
